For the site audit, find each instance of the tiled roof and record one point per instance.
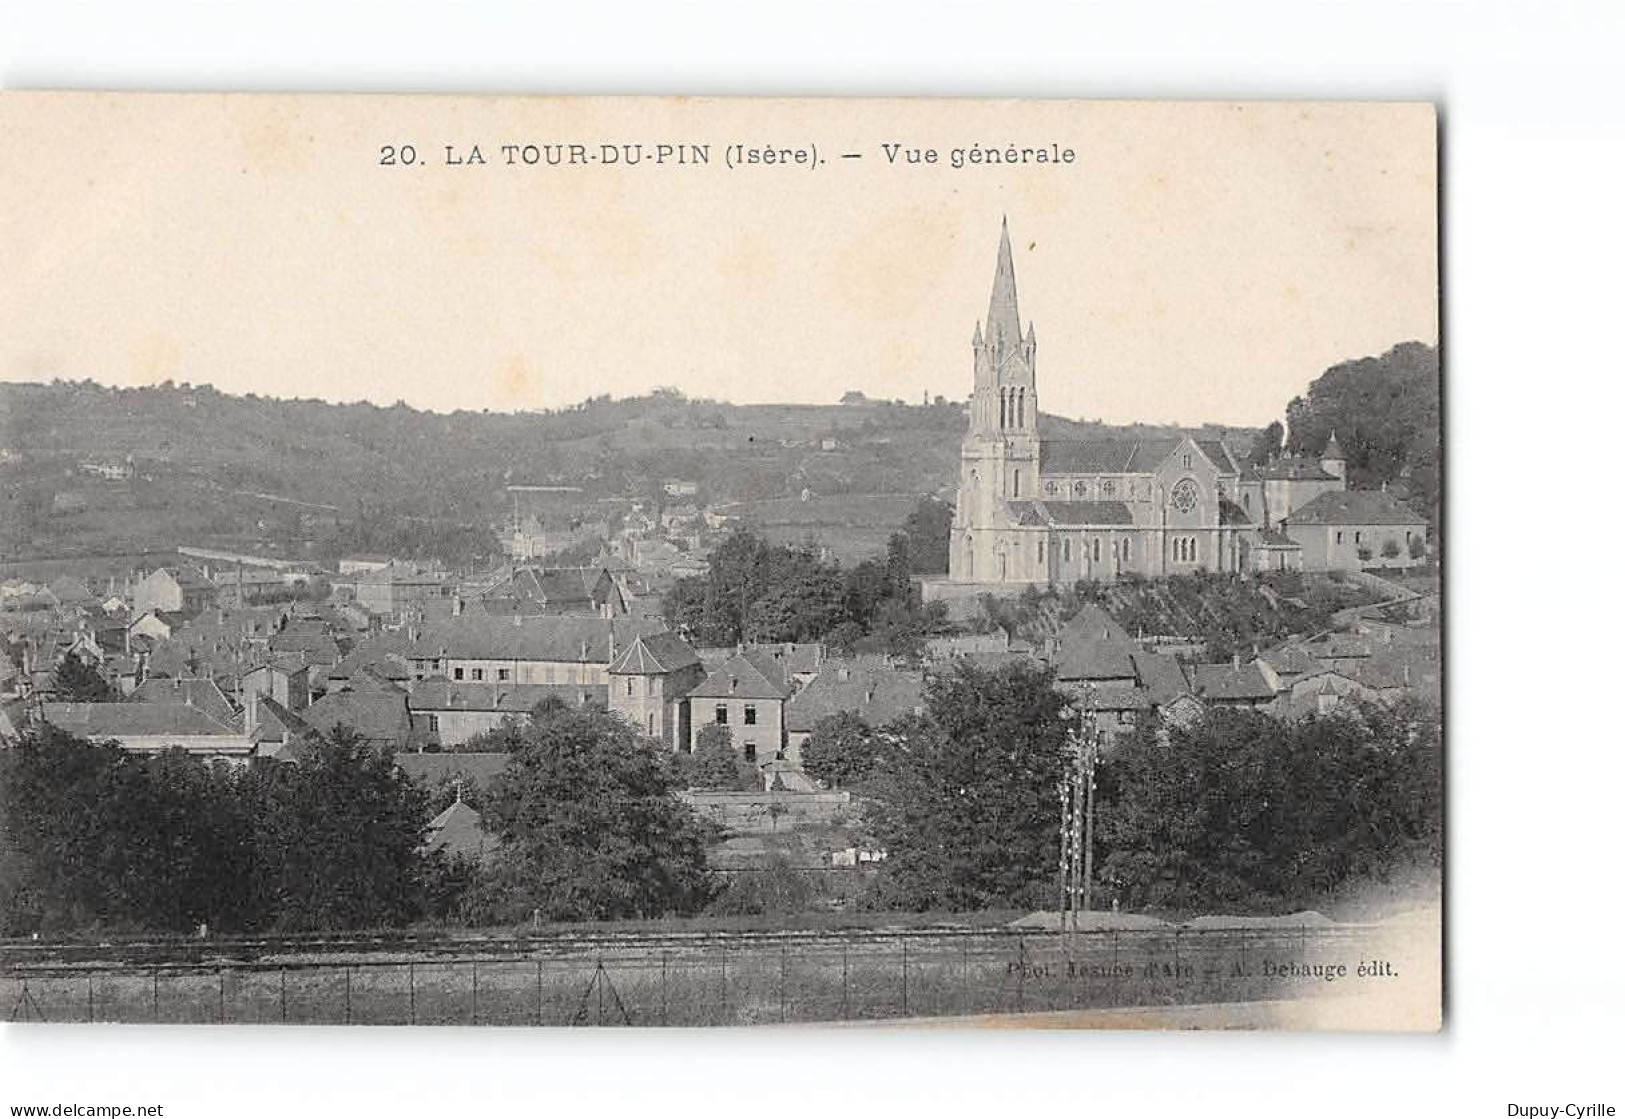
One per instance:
(552, 637)
(1223, 681)
(654, 654)
(1091, 623)
(1094, 660)
(1356, 507)
(204, 694)
(379, 717)
(1103, 456)
(877, 693)
(317, 648)
(458, 831)
(1275, 538)
(1232, 514)
(1161, 677)
(1294, 469)
(117, 720)
(748, 675)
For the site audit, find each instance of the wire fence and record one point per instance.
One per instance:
(713, 982)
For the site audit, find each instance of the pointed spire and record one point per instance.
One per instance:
(1332, 451)
(1002, 317)
(976, 340)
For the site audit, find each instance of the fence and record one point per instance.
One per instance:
(709, 981)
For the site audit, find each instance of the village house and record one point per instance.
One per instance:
(1353, 529)
(869, 687)
(151, 728)
(182, 589)
(649, 685)
(551, 649)
(203, 694)
(746, 694)
(284, 679)
(390, 590)
(445, 713)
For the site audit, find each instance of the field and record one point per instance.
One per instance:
(706, 979)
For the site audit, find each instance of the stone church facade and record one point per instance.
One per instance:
(1038, 511)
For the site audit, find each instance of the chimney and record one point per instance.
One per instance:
(1235, 662)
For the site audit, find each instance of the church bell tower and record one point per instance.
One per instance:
(999, 455)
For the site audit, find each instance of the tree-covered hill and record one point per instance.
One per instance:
(314, 476)
(1385, 411)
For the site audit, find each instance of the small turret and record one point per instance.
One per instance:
(1332, 460)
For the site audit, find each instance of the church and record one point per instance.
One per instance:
(1037, 511)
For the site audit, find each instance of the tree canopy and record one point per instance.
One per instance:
(92, 836)
(967, 805)
(1385, 411)
(591, 824)
(1244, 812)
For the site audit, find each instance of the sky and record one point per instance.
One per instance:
(1192, 262)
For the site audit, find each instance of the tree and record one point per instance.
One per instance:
(1241, 812)
(1385, 412)
(926, 531)
(716, 764)
(93, 836)
(340, 836)
(968, 811)
(591, 824)
(841, 750)
(1267, 444)
(77, 681)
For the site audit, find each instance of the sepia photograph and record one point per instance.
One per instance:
(574, 562)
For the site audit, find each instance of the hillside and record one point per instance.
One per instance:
(305, 477)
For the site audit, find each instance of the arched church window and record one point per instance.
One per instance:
(1049, 488)
(1108, 489)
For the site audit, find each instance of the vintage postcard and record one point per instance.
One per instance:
(704, 562)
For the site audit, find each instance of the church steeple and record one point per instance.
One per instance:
(1003, 318)
(1005, 397)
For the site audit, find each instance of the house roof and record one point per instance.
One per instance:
(318, 648)
(1232, 514)
(549, 637)
(748, 675)
(1294, 468)
(877, 693)
(380, 717)
(655, 654)
(459, 831)
(1223, 681)
(1161, 676)
(1092, 623)
(1094, 660)
(201, 693)
(119, 720)
(1356, 507)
